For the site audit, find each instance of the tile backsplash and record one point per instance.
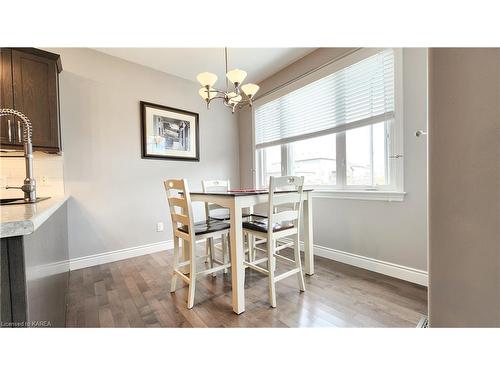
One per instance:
(48, 171)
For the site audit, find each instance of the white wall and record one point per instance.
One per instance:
(117, 197)
(394, 232)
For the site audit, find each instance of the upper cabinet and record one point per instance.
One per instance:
(30, 84)
(7, 131)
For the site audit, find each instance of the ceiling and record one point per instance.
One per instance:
(259, 63)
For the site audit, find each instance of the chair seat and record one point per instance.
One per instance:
(207, 226)
(225, 216)
(259, 223)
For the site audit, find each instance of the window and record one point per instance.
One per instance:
(271, 162)
(315, 159)
(367, 156)
(339, 132)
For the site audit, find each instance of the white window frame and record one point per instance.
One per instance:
(394, 191)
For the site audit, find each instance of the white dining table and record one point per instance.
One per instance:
(236, 202)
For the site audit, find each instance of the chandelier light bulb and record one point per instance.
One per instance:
(203, 93)
(207, 94)
(250, 89)
(233, 98)
(207, 79)
(236, 76)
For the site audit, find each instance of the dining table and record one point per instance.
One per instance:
(238, 200)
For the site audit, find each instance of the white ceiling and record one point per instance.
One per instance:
(259, 63)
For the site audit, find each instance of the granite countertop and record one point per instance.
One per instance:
(23, 219)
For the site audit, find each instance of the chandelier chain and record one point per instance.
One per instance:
(225, 55)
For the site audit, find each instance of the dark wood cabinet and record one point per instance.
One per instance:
(30, 84)
(6, 95)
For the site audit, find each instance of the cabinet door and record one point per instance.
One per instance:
(6, 96)
(35, 94)
(5, 308)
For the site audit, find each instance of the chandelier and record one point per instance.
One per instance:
(239, 97)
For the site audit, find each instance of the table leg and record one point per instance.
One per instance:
(308, 235)
(237, 256)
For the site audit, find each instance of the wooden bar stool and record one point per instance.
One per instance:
(283, 220)
(185, 229)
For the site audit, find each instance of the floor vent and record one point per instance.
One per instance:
(423, 323)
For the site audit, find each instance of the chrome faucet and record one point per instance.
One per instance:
(29, 186)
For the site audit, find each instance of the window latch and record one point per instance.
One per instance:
(395, 156)
(420, 133)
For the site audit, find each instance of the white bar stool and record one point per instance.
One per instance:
(185, 229)
(283, 220)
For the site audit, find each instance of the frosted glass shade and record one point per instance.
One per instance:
(236, 75)
(206, 94)
(203, 93)
(250, 89)
(207, 79)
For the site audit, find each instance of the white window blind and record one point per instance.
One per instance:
(358, 95)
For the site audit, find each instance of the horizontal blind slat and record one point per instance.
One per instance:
(361, 91)
(337, 129)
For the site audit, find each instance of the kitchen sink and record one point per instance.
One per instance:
(8, 201)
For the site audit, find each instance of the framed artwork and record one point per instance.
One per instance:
(169, 133)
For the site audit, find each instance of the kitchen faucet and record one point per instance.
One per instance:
(29, 186)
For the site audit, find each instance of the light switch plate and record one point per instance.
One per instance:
(159, 226)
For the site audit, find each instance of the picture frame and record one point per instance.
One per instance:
(169, 133)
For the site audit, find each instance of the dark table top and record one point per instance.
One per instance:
(242, 193)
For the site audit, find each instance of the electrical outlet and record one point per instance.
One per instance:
(159, 226)
(44, 180)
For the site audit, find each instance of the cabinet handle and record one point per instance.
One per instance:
(9, 130)
(19, 131)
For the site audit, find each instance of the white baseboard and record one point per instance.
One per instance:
(44, 270)
(113, 256)
(390, 269)
(386, 268)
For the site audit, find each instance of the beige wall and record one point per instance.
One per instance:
(394, 232)
(116, 197)
(464, 187)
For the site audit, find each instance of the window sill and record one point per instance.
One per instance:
(367, 195)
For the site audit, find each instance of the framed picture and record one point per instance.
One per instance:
(169, 133)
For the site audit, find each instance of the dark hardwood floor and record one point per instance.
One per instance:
(135, 293)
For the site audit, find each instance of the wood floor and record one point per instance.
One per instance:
(135, 293)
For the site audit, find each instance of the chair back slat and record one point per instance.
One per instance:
(288, 215)
(179, 200)
(175, 184)
(285, 200)
(179, 218)
(179, 234)
(286, 182)
(214, 186)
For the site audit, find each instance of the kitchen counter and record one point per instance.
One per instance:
(34, 263)
(23, 219)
